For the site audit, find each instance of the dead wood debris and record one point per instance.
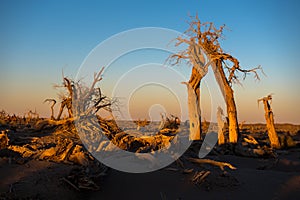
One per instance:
(255, 152)
(3, 140)
(221, 165)
(145, 144)
(199, 177)
(86, 177)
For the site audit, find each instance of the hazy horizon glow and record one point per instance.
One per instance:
(39, 40)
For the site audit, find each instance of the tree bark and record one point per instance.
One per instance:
(52, 107)
(221, 123)
(273, 137)
(193, 87)
(194, 114)
(229, 100)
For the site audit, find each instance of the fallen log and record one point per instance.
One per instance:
(212, 162)
(251, 140)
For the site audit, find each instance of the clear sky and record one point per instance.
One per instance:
(40, 38)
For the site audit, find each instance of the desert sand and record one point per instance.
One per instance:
(33, 165)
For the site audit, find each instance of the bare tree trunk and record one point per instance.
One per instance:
(60, 111)
(273, 137)
(69, 107)
(52, 112)
(221, 123)
(229, 100)
(205, 36)
(194, 114)
(232, 118)
(193, 87)
(52, 107)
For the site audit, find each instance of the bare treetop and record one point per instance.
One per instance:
(205, 37)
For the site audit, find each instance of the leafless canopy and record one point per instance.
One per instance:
(205, 36)
(89, 100)
(81, 99)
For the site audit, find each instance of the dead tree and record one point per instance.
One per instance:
(205, 36)
(87, 99)
(221, 123)
(90, 99)
(273, 137)
(66, 103)
(52, 106)
(67, 100)
(195, 57)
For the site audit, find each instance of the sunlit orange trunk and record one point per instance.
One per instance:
(229, 100)
(221, 136)
(193, 87)
(273, 137)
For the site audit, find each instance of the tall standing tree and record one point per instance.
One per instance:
(205, 37)
(195, 56)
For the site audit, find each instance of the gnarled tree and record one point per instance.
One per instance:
(194, 56)
(88, 99)
(67, 100)
(226, 67)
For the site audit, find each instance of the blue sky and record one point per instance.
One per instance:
(40, 38)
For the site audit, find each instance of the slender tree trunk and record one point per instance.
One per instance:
(193, 87)
(52, 112)
(273, 137)
(194, 114)
(60, 111)
(232, 118)
(229, 100)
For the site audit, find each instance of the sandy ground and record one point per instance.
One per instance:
(254, 179)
